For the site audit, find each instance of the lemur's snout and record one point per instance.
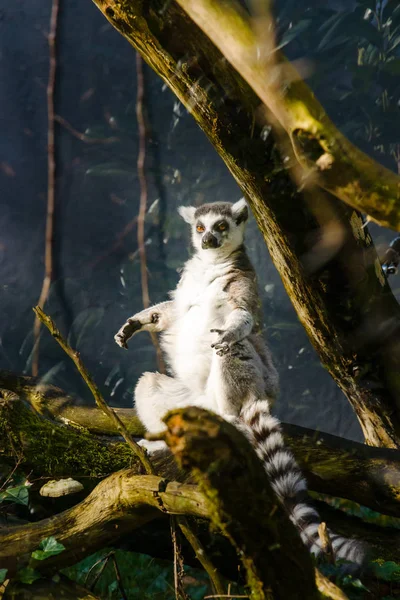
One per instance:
(209, 241)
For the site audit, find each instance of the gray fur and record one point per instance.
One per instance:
(217, 358)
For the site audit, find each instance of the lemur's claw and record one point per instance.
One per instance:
(120, 340)
(126, 332)
(222, 348)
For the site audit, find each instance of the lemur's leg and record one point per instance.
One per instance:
(156, 318)
(155, 395)
(236, 377)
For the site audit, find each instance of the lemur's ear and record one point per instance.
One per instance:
(187, 213)
(240, 211)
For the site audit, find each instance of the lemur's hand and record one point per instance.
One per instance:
(126, 332)
(224, 342)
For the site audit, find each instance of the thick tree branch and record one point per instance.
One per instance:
(340, 167)
(255, 523)
(342, 299)
(332, 465)
(223, 462)
(118, 505)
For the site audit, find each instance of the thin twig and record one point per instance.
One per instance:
(101, 403)
(119, 579)
(82, 136)
(217, 583)
(104, 561)
(51, 170)
(180, 593)
(143, 199)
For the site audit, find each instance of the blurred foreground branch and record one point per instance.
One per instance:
(326, 154)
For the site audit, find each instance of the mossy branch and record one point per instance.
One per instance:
(101, 403)
(338, 166)
(242, 504)
(118, 505)
(332, 465)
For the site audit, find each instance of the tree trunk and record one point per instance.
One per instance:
(335, 164)
(343, 301)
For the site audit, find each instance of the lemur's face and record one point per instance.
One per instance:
(217, 228)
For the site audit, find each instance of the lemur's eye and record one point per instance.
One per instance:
(222, 226)
(200, 228)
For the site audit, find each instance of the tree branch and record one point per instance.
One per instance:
(223, 462)
(101, 403)
(340, 167)
(332, 465)
(118, 505)
(344, 302)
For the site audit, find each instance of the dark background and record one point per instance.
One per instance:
(97, 272)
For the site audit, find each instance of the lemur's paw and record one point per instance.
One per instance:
(223, 344)
(126, 332)
(152, 447)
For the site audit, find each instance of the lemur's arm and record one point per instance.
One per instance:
(243, 300)
(155, 318)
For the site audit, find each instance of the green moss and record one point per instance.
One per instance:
(57, 450)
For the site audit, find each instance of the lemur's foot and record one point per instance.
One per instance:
(223, 344)
(126, 332)
(152, 447)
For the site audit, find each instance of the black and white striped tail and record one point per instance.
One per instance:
(264, 432)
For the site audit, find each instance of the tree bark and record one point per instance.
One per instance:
(254, 522)
(332, 465)
(338, 166)
(118, 505)
(343, 301)
(223, 462)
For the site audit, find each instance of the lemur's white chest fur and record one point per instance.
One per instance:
(200, 304)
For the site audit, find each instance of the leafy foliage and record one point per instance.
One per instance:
(48, 547)
(355, 60)
(28, 575)
(388, 571)
(18, 494)
(143, 577)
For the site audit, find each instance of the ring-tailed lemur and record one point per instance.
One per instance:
(211, 336)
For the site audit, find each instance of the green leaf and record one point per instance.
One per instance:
(350, 26)
(3, 573)
(389, 571)
(28, 575)
(294, 32)
(48, 547)
(355, 583)
(394, 43)
(18, 494)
